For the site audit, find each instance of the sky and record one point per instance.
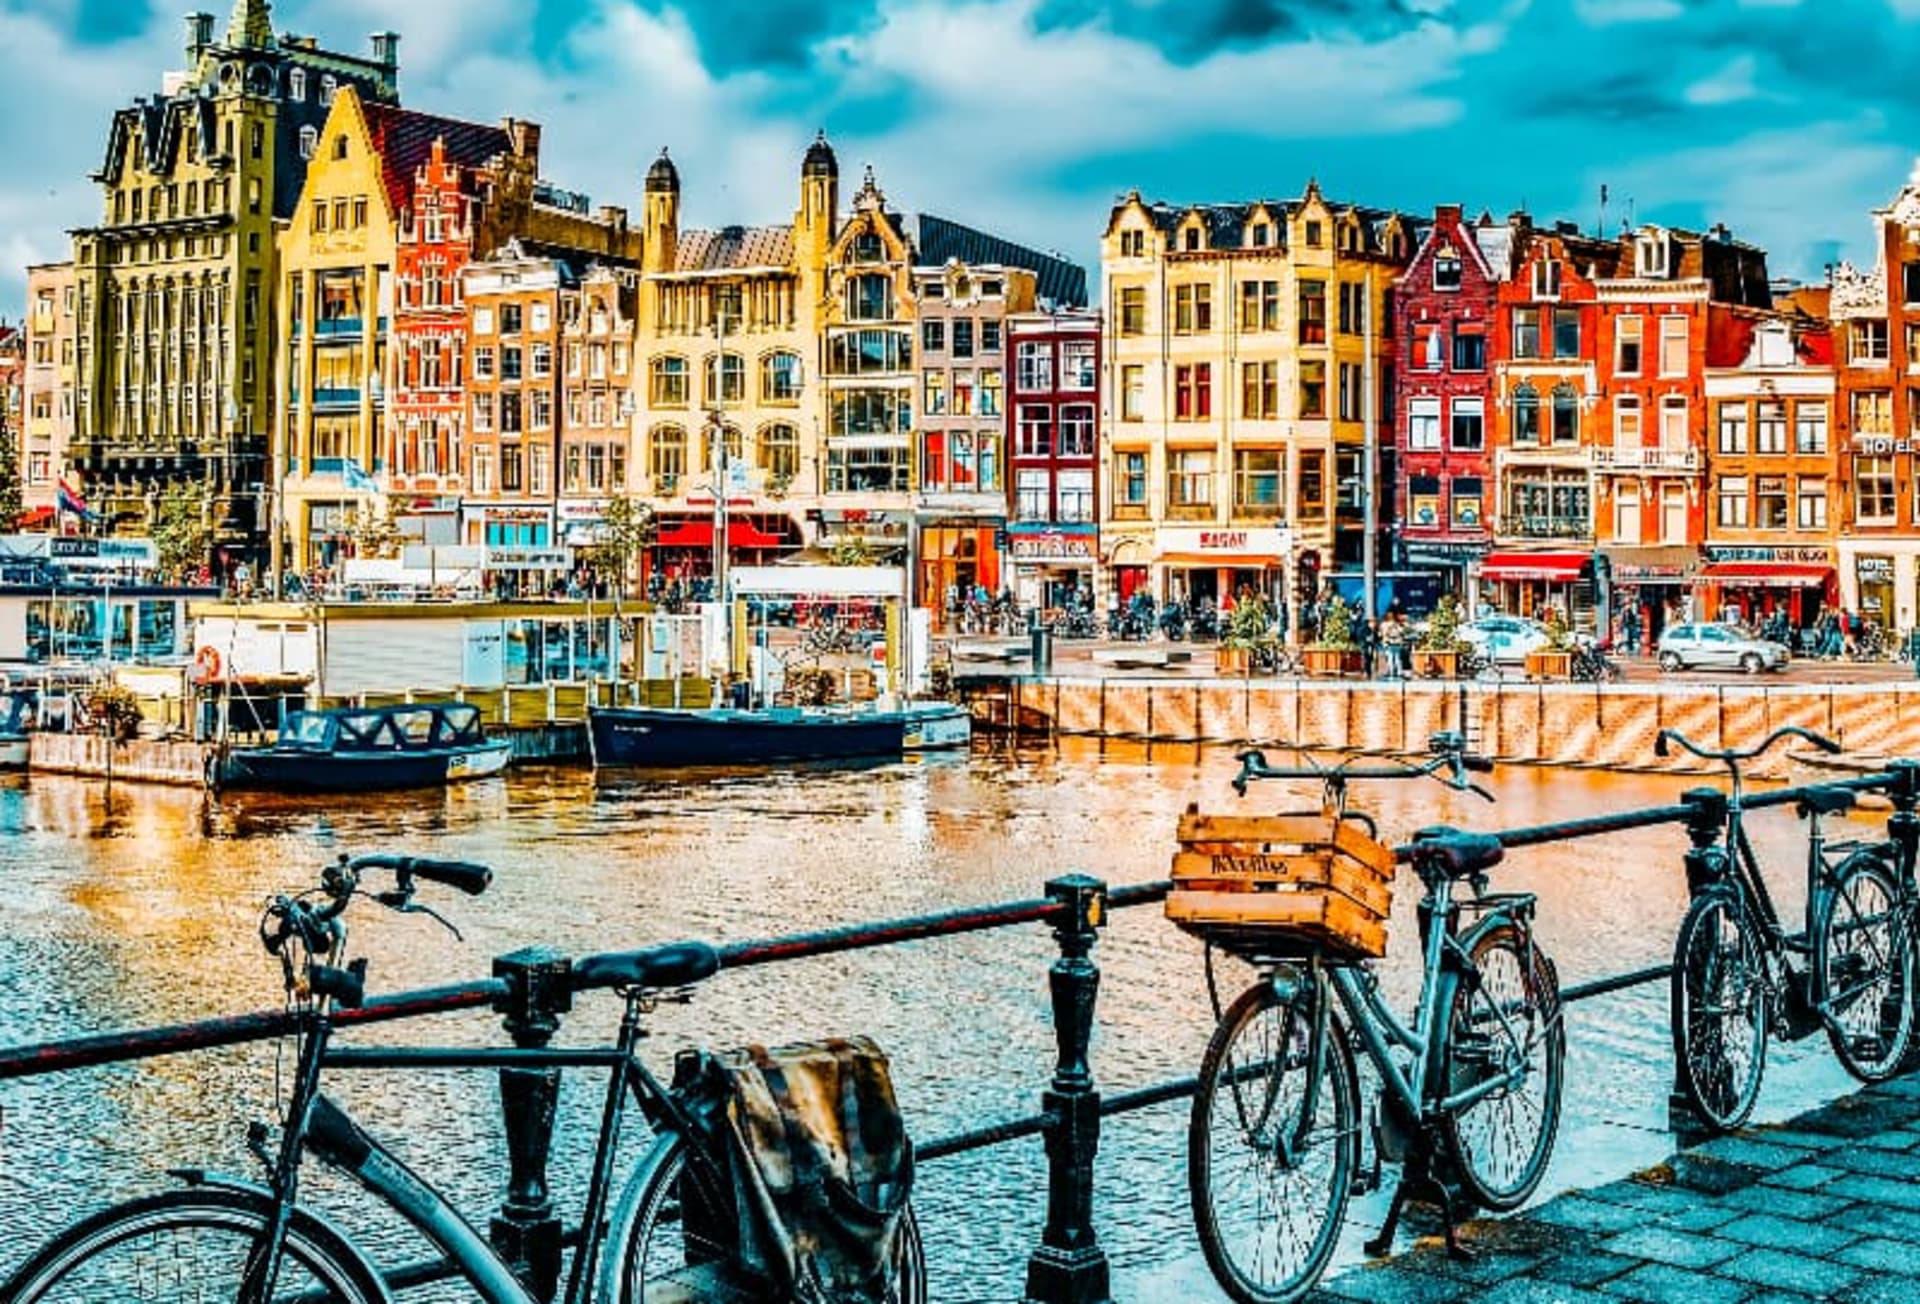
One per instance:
(1789, 120)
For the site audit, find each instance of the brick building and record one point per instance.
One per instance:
(47, 421)
(1053, 442)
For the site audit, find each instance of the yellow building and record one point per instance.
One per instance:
(1240, 373)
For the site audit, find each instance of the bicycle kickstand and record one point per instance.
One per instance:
(1382, 1245)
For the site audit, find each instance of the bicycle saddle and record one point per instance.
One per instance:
(679, 964)
(1456, 854)
(1825, 801)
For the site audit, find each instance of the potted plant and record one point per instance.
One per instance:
(1553, 660)
(114, 710)
(1337, 650)
(1249, 630)
(1437, 654)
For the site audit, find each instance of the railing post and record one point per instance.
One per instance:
(526, 1232)
(1070, 1267)
(1706, 822)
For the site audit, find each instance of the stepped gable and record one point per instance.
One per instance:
(404, 139)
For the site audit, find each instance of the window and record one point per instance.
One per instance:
(1770, 502)
(1873, 489)
(1423, 502)
(297, 84)
(1733, 428)
(1079, 365)
(1429, 346)
(963, 337)
(1076, 430)
(1313, 389)
(1526, 332)
(483, 413)
(1910, 282)
(866, 247)
(1626, 422)
(1673, 346)
(1262, 235)
(1035, 364)
(509, 319)
(1467, 494)
(933, 394)
(327, 88)
(1913, 346)
(1133, 244)
(1446, 270)
(778, 449)
(1133, 391)
(1313, 312)
(726, 379)
(868, 352)
(542, 360)
(510, 412)
(1257, 481)
(1313, 483)
(1133, 310)
(1810, 428)
(1469, 424)
(667, 457)
(869, 297)
(990, 392)
(1770, 432)
(483, 362)
(1566, 416)
(359, 214)
(309, 140)
(319, 215)
(1868, 342)
(1190, 240)
(1626, 512)
(1812, 503)
(1873, 412)
(866, 470)
(1650, 255)
(963, 393)
(1313, 235)
(1673, 423)
(1353, 307)
(1036, 430)
(1193, 392)
(668, 383)
(1546, 279)
(1032, 496)
(256, 143)
(1352, 381)
(1259, 391)
(1626, 346)
(1423, 425)
(1130, 479)
(1076, 496)
(1566, 332)
(1189, 477)
(540, 317)
(510, 360)
(540, 410)
(483, 469)
(1259, 306)
(870, 412)
(1192, 309)
(933, 336)
(1469, 349)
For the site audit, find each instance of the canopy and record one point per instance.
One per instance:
(1554, 567)
(1767, 574)
(699, 534)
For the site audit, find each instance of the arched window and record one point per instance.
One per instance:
(1526, 416)
(667, 457)
(297, 84)
(779, 450)
(309, 138)
(327, 87)
(869, 297)
(736, 447)
(1566, 414)
(780, 377)
(726, 378)
(667, 378)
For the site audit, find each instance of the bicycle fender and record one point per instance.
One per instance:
(357, 1259)
(607, 1285)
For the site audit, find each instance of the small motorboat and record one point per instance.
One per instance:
(658, 737)
(419, 745)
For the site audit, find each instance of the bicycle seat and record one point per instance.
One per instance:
(678, 964)
(1825, 801)
(1456, 854)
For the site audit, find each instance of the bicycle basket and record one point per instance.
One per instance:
(1271, 885)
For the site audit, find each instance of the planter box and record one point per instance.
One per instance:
(1549, 665)
(1436, 665)
(1332, 662)
(1233, 661)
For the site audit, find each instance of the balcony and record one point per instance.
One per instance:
(324, 397)
(339, 326)
(1685, 460)
(1547, 527)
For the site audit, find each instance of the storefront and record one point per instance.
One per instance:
(682, 548)
(1653, 583)
(1049, 561)
(957, 556)
(525, 526)
(1873, 584)
(1212, 562)
(1756, 585)
(1451, 562)
(1527, 583)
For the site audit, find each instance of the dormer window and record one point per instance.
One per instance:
(1350, 239)
(1262, 235)
(1133, 244)
(1446, 270)
(1546, 279)
(1774, 347)
(867, 248)
(1313, 235)
(1650, 255)
(1190, 239)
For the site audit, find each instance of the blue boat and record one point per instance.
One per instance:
(420, 745)
(644, 736)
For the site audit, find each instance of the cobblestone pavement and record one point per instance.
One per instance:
(1823, 1207)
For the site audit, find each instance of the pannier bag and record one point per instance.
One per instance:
(821, 1166)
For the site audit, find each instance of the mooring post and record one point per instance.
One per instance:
(1069, 1267)
(527, 1232)
(1706, 822)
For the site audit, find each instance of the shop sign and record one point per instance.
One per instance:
(527, 559)
(517, 515)
(1078, 543)
(1796, 556)
(860, 523)
(1874, 570)
(1263, 542)
(588, 511)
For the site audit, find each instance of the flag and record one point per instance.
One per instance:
(356, 478)
(68, 498)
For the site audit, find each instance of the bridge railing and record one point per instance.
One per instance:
(1068, 1266)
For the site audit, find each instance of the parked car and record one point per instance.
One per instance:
(1719, 647)
(1502, 638)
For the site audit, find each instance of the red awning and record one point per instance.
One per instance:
(34, 516)
(1767, 575)
(699, 534)
(1554, 567)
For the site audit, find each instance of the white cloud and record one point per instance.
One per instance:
(1730, 85)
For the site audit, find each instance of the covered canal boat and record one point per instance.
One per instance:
(422, 745)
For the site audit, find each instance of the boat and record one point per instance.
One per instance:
(19, 712)
(645, 736)
(420, 745)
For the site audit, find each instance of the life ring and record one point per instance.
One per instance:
(206, 664)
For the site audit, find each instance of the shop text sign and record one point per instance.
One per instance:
(1800, 556)
(1053, 544)
(1238, 543)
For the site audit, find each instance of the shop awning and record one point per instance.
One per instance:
(1553, 567)
(1767, 575)
(1670, 563)
(699, 534)
(34, 516)
(1221, 560)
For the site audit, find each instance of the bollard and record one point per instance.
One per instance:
(526, 1233)
(1706, 821)
(1070, 1267)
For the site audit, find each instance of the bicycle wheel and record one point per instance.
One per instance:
(1863, 969)
(188, 1247)
(682, 1237)
(1504, 1017)
(1719, 1011)
(1268, 1174)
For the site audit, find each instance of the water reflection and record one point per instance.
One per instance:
(139, 907)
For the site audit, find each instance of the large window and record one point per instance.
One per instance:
(1811, 512)
(1673, 346)
(1469, 424)
(1810, 428)
(1469, 349)
(1034, 363)
(1874, 500)
(1258, 481)
(1036, 430)
(780, 377)
(1423, 425)
(1566, 333)
(668, 381)
(1526, 417)
(1076, 496)
(778, 448)
(1130, 480)
(1429, 346)
(1193, 391)
(1259, 306)
(1626, 346)
(1189, 477)
(726, 378)
(1313, 312)
(1467, 502)
(869, 297)
(869, 352)
(1079, 365)
(870, 412)
(1733, 428)
(1873, 412)
(1868, 343)
(1133, 392)
(1133, 310)
(1770, 431)
(1259, 391)
(960, 461)
(866, 470)
(1032, 495)
(1076, 430)
(1192, 309)
(1770, 502)
(1566, 416)
(1526, 332)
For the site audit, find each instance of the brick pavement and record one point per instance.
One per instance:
(1823, 1207)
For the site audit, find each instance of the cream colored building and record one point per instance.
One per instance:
(1246, 344)
(49, 391)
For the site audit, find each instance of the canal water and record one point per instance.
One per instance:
(139, 906)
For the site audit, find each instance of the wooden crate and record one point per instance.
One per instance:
(1279, 884)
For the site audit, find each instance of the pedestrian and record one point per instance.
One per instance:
(1367, 636)
(1393, 637)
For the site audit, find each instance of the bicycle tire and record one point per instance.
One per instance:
(1225, 1101)
(652, 1267)
(101, 1257)
(1863, 949)
(1507, 1004)
(1718, 988)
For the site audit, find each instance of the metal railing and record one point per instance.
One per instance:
(1068, 1266)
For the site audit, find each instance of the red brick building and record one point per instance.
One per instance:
(1053, 443)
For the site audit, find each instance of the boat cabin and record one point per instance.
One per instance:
(422, 727)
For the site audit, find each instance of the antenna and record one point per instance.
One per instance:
(1601, 230)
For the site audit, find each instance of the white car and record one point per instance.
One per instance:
(1504, 639)
(1719, 647)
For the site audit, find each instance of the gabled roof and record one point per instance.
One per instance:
(733, 246)
(404, 140)
(937, 241)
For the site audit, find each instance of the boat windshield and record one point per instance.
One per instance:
(307, 729)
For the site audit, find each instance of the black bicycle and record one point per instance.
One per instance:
(1470, 1098)
(1739, 974)
(666, 1237)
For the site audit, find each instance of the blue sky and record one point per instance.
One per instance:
(1787, 119)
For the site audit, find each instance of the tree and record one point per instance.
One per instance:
(9, 471)
(374, 532)
(626, 530)
(181, 533)
(851, 551)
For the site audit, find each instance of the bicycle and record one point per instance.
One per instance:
(1470, 1096)
(227, 1238)
(1734, 977)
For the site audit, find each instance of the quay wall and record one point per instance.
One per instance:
(1602, 725)
(147, 760)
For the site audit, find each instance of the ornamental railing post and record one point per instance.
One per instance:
(527, 1232)
(1706, 823)
(1069, 1267)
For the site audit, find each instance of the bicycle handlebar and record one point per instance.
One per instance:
(1449, 753)
(1730, 756)
(463, 875)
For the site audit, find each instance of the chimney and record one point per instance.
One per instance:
(386, 49)
(524, 137)
(199, 35)
(1564, 227)
(1721, 233)
(1447, 213)
(1520, 220)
